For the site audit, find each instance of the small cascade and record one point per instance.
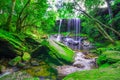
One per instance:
(74, 42)
(69, 25)
(80, 63)
(72, 39)
(60, 26)
(59, 30)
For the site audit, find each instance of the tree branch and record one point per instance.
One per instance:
(19, 19)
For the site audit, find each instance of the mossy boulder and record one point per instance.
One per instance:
(109, 57)
(59, 51)
(12, 45)
(43, 70)
(15, 61)
(26, 56)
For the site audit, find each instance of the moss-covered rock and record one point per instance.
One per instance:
(59, 51)
(109, 57)
(14, 42)
(26, 56)
(15, 61)
(43, 70)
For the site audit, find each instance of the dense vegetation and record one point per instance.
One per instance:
(26, 25)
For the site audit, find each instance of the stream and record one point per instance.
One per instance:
(80, 63)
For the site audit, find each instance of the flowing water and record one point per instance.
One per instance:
(59, 30)
(73, 26)
(80, 63)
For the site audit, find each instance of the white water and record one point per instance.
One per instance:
(4, 74)
(59, 30)
(80, 63)
(9, 71)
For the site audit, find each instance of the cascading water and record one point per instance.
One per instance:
(59, 30)
(60, 26)
(69, 25)
(74, 42)
(80, 63)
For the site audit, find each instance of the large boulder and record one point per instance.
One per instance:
(10, 44)
(59, 51)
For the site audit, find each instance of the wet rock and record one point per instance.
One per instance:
(27, 66)
(93, 64)
(65, 70)
(34, 63)
(89, 56)
(21, 65)
(78, 64)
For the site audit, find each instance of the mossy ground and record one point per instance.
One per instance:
(108, 57)
(110, 73)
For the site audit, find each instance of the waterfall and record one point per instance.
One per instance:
(59, 30)
(76, 26)
(69, 24)
(77, 31)
(73, 25)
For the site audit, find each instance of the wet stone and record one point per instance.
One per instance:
(79, 65)
(34, 63)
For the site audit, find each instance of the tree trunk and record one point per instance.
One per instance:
(19, 20)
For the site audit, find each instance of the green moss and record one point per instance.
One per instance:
(109, 57)
(59, 51)
(13, 40)
(43, 70)
(26, 56)
(96, 74)
(105, 65)
(15, 61)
